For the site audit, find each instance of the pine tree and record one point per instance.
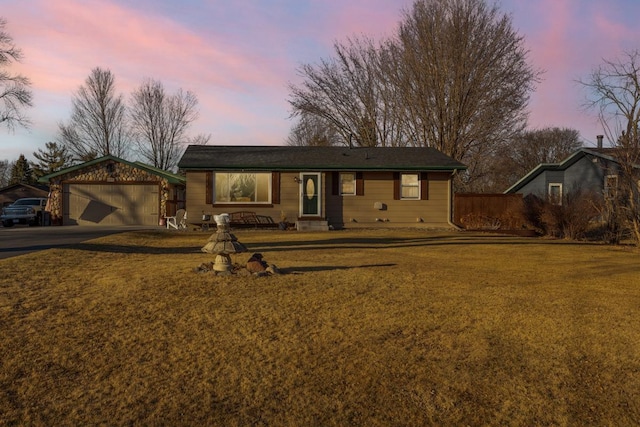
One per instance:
(55, 158)
(5, 169)
(21, 172)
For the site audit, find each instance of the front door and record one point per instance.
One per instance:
(310, 200)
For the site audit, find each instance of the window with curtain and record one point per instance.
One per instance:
(241, 187)
(410, 186)
(348, 183)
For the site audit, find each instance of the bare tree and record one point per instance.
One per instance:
(456, 77)
(311, 130)
(98, 120)
(349, 93)
(15, 94)
(160, 122)
(614, 92)
(548, 145)
(519, 155)
(463, 73)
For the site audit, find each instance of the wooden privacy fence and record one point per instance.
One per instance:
(488, 211)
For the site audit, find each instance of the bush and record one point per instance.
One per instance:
(570, 220)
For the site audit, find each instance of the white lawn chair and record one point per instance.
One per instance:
(179, 221)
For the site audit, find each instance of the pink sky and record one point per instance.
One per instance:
(238, 57)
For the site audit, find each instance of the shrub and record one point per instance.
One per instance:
(570, 220)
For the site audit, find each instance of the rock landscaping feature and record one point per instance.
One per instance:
(223, 243)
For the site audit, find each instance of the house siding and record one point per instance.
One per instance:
(349, 211)
(359, 211)
(197, 199)
(585, 174)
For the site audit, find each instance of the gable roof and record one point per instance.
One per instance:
(603, 153)
(34, 187)
(170, 177)
(294, 158)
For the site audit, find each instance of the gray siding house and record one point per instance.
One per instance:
(591, 169)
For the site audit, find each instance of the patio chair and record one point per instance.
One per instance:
(179, 221)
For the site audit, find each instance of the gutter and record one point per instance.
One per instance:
(450, 204)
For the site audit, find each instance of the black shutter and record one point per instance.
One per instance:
(359, 184)
(209, 188)
(396, 186)
(275, 188)
(424, 186)
(335, 183)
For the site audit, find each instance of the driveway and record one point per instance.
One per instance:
(18, 240)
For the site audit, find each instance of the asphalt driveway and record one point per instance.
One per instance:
(18, 240)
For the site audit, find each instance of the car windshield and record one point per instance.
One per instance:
(27, 202)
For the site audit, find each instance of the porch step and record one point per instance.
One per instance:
(312, 226)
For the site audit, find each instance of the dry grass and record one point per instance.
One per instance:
(371, 328)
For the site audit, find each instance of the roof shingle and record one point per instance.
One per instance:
(281, 158)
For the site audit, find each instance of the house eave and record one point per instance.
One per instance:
(327, 169)
(281, 158)
(170, 177)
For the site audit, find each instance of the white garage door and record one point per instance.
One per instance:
(111, 204)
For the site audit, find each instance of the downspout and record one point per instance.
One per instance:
(450, 204)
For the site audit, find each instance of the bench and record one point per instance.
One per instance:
(244, 219)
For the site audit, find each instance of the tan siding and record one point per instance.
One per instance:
(196, 193)
(196, 199)
(339, 210)
(289, 196)
(359, 211)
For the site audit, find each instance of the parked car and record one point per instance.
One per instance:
(24, 211)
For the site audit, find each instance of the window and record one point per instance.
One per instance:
(410, 186)
(236, 187)
(555, 193)
(610, 186)
(348, 183)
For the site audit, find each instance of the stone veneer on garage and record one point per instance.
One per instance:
(102, 173)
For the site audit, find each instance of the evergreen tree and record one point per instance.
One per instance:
(21, 172)
(55, 158)
(5, 169)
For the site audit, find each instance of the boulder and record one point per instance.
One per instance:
(255, 266)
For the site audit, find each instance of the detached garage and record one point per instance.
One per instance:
(112, 191)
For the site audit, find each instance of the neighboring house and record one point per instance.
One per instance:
(11, 193)
(590, 169)
(112, 191)
(318, 187)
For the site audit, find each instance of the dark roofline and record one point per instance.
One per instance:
(18, 184)
(295, 158)
(328, 169)
(574, 157)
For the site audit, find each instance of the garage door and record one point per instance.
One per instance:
(110, 204)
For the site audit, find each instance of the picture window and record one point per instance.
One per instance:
(233, 187)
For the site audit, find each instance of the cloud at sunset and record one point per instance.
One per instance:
(239, 57)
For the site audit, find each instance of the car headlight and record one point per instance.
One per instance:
(30, 211)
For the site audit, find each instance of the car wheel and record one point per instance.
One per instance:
(7, 223)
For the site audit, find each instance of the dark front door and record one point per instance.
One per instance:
(310, 200)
